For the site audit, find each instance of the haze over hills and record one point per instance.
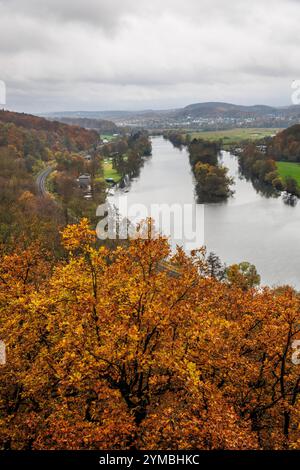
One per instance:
(209, 115)
(227, 109)
(101, 125)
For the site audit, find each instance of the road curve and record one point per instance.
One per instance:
(41, 180)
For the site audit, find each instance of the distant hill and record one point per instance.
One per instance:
(196, 109)
(213, 109)
(206, 116)
(108, 115)
(101, 125)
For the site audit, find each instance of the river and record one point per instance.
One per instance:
(247, 227)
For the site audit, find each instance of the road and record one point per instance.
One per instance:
(41, 186)
(41, 180)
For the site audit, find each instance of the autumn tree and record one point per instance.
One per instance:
(243, 275)
(107, 350)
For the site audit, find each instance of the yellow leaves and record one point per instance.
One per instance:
(116, 353)
(193, 373)
(78, 236)
(76, 377)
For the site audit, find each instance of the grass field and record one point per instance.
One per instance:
(234, 136)
(110, 172)
(108, 137)
(289, 169)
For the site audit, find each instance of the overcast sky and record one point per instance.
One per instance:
(134, 54)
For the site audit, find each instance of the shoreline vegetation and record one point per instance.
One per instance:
(107, 350)
(212, 182)
(127, 155)
(275, 162)
(269, 157)
(124, 157)
(28, 144)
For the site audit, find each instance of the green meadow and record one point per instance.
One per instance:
(109, 171)
(289, 169)
(234, 136)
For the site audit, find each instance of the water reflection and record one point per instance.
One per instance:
(290, 199)
(256, 224)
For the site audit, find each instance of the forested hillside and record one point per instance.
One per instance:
(109, 348)
(27, 145)
(101, 125)
(285, 145)
(54, 133)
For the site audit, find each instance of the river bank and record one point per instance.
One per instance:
(247, 227)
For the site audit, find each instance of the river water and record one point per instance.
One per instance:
(247, 227)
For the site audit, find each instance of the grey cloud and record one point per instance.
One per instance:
(102, 13)
(106, 53)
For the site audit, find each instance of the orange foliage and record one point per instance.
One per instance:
(109, 351)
